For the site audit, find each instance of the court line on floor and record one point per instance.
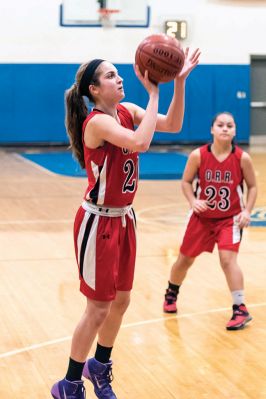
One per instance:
(180, 219)
(34, 164)
(127, 325)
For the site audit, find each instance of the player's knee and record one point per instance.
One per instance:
(121, 304)
(226, 264)
(97, 316)
(189, 261)
(184, 262)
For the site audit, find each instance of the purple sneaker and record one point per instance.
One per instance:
(68, 390)
(100, 374)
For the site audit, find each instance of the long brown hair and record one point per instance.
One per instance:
(76, 113)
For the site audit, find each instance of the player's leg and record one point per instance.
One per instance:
(235, 281)
(228, 240)
(198, 238)
(177, 275)
(99, 368)
(232, 271)
(109, 330)
(96, 245)
(83, 337)
(180, 268)
(90, 324)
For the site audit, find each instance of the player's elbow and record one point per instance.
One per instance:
(175, 127)
(143, 147)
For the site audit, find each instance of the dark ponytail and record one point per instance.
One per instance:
(76, 113)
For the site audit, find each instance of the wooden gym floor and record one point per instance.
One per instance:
(156, 356)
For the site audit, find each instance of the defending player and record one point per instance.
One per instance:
(218, 214)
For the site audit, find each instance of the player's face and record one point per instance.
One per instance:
(224, 128)
(111, 84)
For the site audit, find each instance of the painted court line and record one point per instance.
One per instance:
(128, 325)
(33, 164)
(181, 219)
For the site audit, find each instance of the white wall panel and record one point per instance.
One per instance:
(227, 32)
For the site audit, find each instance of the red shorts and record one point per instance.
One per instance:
(201, 235)
(105, 251)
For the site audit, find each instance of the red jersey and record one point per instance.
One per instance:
(112, 171)
(220, 183)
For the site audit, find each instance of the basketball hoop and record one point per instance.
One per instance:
(107, 17)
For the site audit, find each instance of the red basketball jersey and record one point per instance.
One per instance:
(112, 171)
(220, 183)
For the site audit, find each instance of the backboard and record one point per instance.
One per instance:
(82, 13)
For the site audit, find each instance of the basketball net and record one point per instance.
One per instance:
(107, 17)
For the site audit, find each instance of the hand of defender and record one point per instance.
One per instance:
(199, 206)
(243, 219)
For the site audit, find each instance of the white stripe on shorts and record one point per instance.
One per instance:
(89, 261)
(236, 231)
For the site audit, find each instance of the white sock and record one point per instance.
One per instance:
(238, 297)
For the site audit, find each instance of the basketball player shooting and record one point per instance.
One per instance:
(106, 145)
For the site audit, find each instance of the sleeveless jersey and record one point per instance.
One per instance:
(220, 183)
(112, 171)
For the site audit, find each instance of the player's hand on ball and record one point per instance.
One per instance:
(191, 61)
(149, 86)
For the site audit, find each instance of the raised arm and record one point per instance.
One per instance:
(104, 127)
(173, 120)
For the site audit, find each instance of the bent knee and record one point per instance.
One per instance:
(227, 264)
(184, 262)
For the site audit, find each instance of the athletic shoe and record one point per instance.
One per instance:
(239, 319)
(68, 390)
(169, 305)
(100, 374)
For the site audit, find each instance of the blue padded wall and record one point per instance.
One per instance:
(32, 101)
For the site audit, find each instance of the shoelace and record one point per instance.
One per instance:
(81, 390)
(106, 378)
(170, 297)
(238, 312)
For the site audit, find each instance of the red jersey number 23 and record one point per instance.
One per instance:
(218, 198)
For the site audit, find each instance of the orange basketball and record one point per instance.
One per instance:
(162, 56)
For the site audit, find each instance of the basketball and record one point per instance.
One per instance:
(162, 56)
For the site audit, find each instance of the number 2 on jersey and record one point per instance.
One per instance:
(130, 183)
(222, 202)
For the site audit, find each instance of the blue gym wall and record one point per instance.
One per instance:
(32, 101)
(39, 58)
